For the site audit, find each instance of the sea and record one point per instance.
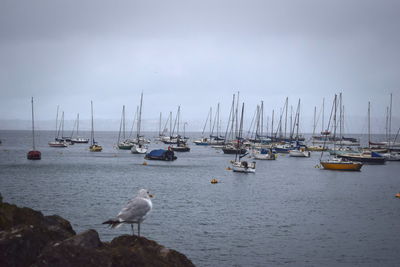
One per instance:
(289, 213)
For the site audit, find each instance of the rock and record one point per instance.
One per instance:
(27, 238)
(87, 239)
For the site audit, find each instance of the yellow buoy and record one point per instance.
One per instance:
(145, 163)
(214, 181)
(398, 195)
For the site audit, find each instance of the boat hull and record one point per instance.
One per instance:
(342, 166)
(34, 155)
(234, 151)
(180, 149)
(299, 154)
(57, 144)
(367, 160)
(243, 170)
(138, 150)
(95, 148)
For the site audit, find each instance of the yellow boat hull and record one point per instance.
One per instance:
(342, 166)
(95, 148)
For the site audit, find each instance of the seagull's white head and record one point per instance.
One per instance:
(144, 193)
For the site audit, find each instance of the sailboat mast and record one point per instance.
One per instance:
(120, 126)
(315, 112)
(387, 125)
(77, 126)
(369, 124)
(123, 122)
(140, 117)
(272, 124)
(237, 115)
(257, 117)
(262, 117)
(231, 114)
(159, 125)
(334, 121)
(33, 128)
(286, 107)
(323, 114)
(240, 135)
(210, 121)
(218, 121)
(92, 132)
(170, 125)
(56, 135)
(298, 120)
(62, 125)
(178, 118)
(390, 120)
(291, 123)
(340, 119)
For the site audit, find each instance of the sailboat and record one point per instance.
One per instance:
(124, 144)
(77, 139)
(235, 145)
(181, 145)
(139, 147)
(33, 154)
(239, 165)
(299, 151)
(94, 147)
(204, 141)
(335, 163)
(57, 142)
(368, 156)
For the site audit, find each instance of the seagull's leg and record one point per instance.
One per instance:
(139, 229)
(133, 230)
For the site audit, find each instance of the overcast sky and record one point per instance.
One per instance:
(196, 54)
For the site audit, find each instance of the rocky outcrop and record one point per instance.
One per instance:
(28, 238)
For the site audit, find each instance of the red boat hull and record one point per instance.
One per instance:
(34, 155)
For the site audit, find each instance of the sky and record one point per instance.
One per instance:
(196, 54)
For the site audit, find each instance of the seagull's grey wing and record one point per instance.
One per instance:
(135, 210)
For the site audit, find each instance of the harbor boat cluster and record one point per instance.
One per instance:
(259, 143)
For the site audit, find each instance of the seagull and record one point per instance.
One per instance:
(135, 211)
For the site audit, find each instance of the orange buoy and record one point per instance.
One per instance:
(214, 181)
(398, 195)
(145, 163)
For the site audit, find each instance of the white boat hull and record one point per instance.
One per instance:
(136, 149)
(299, 154)
(244, 166)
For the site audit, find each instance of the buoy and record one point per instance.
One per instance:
(228, 168)
(145, 163)
(398, 195)
(214, 181)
